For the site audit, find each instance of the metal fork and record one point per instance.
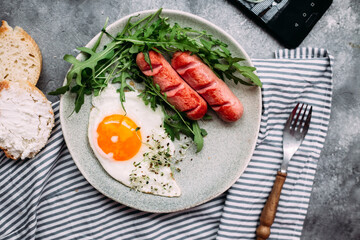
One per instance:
(294, 134)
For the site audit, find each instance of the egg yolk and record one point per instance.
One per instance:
(119, 135)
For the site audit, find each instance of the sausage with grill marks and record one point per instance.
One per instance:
(202, 79)
(178, 92)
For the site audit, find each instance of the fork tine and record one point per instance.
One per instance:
(291, 117)
(297, 117)
(307, 123)
(302, 118)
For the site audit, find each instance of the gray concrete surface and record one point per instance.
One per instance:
(61, 25)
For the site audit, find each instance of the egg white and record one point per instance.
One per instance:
(159, 182)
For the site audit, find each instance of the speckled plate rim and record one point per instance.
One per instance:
(67, 132)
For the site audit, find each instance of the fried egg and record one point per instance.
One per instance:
(132, 146)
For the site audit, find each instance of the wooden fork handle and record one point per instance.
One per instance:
(268, 213)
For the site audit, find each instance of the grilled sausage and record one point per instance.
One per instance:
(215, 92)
(178, 92)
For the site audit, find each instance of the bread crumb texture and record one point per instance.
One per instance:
(20, 56)
(26, 119)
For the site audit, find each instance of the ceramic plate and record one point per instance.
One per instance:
(227, 148)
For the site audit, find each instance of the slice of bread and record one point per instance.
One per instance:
(26, 119)
(20, 56)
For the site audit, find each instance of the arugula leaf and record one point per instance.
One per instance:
(248, 72)
(147, 59)
(134, 49)
(91, 62)
(222, 67)
(97, 43)
(79, 99)
(207, 117)
(198, 137)
(123, 86)
(60, 90)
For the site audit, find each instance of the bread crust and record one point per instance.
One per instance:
(4, 85)
(4, 27)
(32, 49)
(7, 154)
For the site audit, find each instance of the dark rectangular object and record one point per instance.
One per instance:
(291, 23)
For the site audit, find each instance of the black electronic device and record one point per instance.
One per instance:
(289, 21)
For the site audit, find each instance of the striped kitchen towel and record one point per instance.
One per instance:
(48, 198)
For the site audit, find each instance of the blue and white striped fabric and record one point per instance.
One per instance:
(48, 198)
